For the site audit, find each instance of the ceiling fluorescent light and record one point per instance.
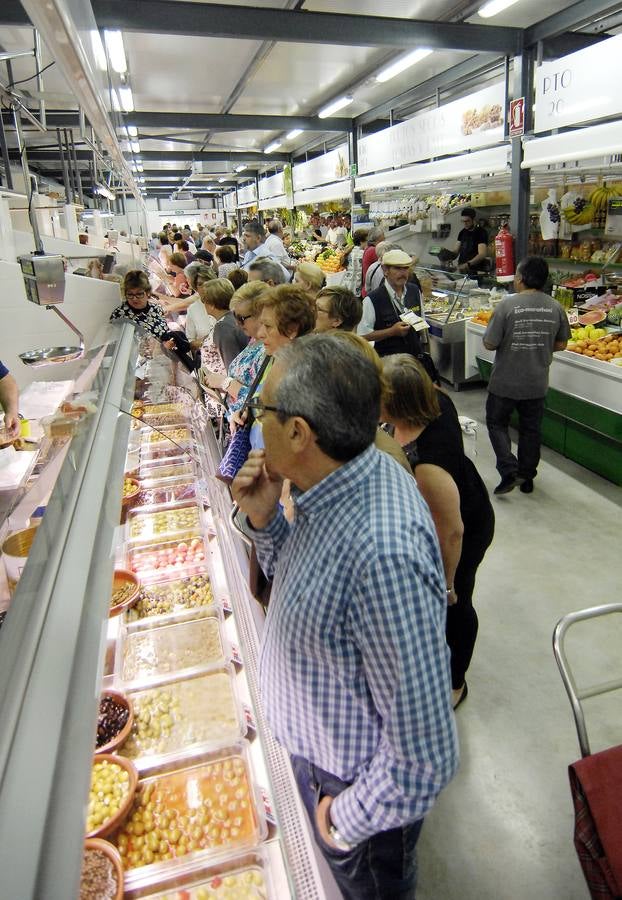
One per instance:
(132, 130)
(294, 133)
(127, 100)
(116, 51)
(335, 106)
(494, 7)
(272, 147)
(240, 168)
(402, 64)
(135, 147)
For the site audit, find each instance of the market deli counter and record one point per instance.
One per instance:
(132, 634)
(583, 409)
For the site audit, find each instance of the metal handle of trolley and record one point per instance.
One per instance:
(576, 695)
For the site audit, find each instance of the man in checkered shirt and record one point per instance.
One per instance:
(354, 668)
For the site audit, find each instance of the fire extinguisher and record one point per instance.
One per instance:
(504, 253)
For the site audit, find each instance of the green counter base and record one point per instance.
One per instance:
(581, 431)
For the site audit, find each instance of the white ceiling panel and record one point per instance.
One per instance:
(189, 74)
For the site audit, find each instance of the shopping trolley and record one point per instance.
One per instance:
(595, 779)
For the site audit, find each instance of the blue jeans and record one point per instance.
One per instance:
(498, 413)
(384, 867)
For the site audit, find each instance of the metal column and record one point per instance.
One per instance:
(32, 214)
(39, 76)
(5, 157)
(521, 178)
(68, 191)
(77, 170)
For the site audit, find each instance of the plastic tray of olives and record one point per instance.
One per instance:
(172, 600)
(191, 813)
(153, 471)
(178, 557)
(244, 877)
(164, 522)
(151, 656)
(181, 435)
(168, 490)
(184, 716)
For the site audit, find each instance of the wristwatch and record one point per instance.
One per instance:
(337, 838)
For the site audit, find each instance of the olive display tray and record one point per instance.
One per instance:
(155, 873)
(141, 522)
(184, 746)
(144, 559)
(171, 639)
(178, 613)
(151, 472)
(194, 877)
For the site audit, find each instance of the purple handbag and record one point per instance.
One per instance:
(239, 446)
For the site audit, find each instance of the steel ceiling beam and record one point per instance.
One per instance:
(575, 16)
(234, 122)
(252, 159)
(266, 24)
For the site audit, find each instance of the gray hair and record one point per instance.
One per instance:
(269, 270)
(274, 226)
(335, 389)
(384, 247)
(375, 235)
(253, 227)
(197, 272)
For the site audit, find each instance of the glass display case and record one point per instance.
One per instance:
(183, 650)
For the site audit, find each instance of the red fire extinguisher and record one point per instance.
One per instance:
(504, 253)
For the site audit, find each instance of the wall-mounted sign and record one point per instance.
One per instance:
(517, 117)
(271, 187)
(580, 87)
(247, 194)
(323, 169)
(473, 121)
(228, 201)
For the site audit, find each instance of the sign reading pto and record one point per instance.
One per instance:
(572, 89)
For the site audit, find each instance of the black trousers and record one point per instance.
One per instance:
(462, 621)
(498, 413)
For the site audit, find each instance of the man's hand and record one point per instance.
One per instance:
(255, 491)
(463, 267)
(400, 329)
(322, 817)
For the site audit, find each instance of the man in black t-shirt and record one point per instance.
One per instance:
(472, 246)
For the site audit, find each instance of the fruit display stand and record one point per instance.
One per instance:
(57, 654)
(583, 409)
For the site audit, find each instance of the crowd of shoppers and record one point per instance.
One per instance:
(371, 625)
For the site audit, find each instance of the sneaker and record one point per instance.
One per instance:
(527, 486)
(507, 484)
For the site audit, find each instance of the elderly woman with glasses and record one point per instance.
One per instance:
(136, 292)
(337, 308)
(242, 371)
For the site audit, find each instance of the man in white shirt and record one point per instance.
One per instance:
(254, 241)
(336, 234)
(274, 243)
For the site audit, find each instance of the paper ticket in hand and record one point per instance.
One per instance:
(414, 320)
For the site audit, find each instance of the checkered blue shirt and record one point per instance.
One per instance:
(354, 667)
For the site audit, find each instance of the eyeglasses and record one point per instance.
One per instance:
(242, 319)
(136, 296)
(258, 408)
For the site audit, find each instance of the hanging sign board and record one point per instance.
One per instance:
(517, 117)
(613, 224)
(473, 121)
(323, 169)
(580, 87)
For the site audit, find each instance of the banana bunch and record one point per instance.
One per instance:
(582, 216)
(600, 197)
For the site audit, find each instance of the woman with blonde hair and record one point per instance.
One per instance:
(310, 278)
(426, 426)
(245, 305)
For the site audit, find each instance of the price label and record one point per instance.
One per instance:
(249, 717)
(226, 605)
(267, 804)
(236, 656)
